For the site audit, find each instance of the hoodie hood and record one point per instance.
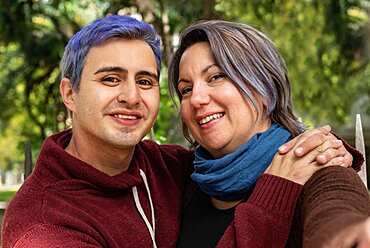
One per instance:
(72, 168)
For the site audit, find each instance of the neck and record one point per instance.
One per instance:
(107, 160)
(223, 205)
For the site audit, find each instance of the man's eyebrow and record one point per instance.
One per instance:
(148, 73)
(122, 70)
(110, 69)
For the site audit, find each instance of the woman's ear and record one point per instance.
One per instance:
(67, 93)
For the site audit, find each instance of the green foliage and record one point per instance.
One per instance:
(11, 157)
(6, 195)
(323, 42)
(167, 128)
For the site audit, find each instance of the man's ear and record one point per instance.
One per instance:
(67, 93)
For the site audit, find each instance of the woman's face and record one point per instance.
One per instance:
(218, 115)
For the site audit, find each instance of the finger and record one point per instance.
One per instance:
(311, 143)
(348, 159)
(329, 150)
(285, 148)
(334, 161)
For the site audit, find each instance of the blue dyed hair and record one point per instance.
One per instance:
(98, 32)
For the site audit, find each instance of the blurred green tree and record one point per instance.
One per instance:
(325, 45)
(323, 42)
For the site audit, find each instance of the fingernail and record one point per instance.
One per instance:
(322, 157)
(327, 127)
(299, 150)
(343, 165)
(282, 148)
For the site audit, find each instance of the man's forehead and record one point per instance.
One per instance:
(128, 55)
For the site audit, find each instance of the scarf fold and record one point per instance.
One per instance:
(234, 176)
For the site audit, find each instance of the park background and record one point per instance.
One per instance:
(326, 45)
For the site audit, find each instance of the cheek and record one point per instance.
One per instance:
(100, 96)
(185, 112)
(151, 100)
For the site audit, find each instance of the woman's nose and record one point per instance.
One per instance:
(199, 96)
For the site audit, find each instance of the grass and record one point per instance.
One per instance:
(7, 195)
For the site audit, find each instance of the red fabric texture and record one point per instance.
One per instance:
(68, 203)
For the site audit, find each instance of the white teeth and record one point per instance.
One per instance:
(131, 117)
(209, 118)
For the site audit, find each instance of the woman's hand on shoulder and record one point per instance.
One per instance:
(329, 146)
(307, 153)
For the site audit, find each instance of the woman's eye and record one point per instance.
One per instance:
(217, 77)
(185, 90)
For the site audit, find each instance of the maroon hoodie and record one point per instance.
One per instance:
(68, 203)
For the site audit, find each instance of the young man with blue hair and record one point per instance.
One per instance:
(101, 185)
(90, 188)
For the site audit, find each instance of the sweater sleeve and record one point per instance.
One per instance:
(333, 199)
(264, 219)
(358, 158)
(54, 236)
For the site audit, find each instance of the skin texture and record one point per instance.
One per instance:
(207, 91)
(116, 104)
(357, 235)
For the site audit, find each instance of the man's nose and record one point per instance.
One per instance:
(129, 93)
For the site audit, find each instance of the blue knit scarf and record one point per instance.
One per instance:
(233, 176)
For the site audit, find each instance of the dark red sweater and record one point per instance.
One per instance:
(68, 203)
(334, 198)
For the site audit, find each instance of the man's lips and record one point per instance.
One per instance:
(126, 114)
(130, 117)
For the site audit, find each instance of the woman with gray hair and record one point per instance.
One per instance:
(236, 109)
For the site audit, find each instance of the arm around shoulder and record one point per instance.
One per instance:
(331, 201)
(264, 219)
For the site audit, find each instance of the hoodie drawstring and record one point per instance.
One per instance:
(151, 227)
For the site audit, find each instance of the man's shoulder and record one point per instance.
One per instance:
(164, 148)
(170, 155)
(24, 211)
(43, 235)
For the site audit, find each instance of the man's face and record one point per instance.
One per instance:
(118, 98)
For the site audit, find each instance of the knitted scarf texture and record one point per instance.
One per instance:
(233, 176)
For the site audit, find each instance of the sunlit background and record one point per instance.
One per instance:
(325, 44)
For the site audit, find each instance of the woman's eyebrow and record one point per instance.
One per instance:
(207, 68)
(202, 72)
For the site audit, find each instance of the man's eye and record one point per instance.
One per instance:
(146, 83)
(110, 80)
